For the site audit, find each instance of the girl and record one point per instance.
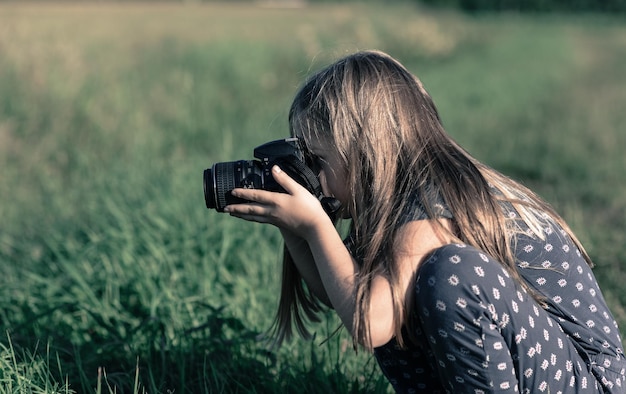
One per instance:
(459, 278)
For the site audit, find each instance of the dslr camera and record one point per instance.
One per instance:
(288, 154)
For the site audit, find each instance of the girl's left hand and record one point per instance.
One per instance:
(297, 210)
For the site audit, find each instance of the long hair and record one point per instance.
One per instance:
(390, 141)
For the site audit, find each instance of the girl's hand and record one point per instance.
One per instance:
(297, 211)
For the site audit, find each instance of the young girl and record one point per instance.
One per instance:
(459, 278)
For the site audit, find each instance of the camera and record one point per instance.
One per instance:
(222, 178)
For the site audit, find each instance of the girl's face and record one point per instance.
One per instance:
(331, 173)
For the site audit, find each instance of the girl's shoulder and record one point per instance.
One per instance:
(420, 238)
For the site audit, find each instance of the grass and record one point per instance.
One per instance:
(113, 275)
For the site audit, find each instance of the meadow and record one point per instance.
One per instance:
(114, 277)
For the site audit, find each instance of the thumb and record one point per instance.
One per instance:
(284, 180)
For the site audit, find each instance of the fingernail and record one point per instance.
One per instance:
(276, 169)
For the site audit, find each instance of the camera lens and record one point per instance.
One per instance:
(209, 197)
(218, 181)
(222, 178)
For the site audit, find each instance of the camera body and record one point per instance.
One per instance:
(222, 178)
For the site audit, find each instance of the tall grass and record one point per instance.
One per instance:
(113, 275)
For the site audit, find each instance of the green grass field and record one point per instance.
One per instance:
(114, 277)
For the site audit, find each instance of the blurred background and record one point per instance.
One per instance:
(114, 277)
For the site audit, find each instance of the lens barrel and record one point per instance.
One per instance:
(219, 181)
(209, 190)
(222, 178)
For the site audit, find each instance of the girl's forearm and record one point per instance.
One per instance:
(303, 259)
(337, 271)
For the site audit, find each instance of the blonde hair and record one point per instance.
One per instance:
(391, 143)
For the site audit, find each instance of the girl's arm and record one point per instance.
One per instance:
(303, 259)
(299, 214)
(337, 270)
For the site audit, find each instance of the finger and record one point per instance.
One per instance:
(284, 180)
(250, 218)
(256, 195)
(245, 209)
(250, 212)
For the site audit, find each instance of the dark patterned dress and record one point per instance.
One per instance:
(478, 331)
